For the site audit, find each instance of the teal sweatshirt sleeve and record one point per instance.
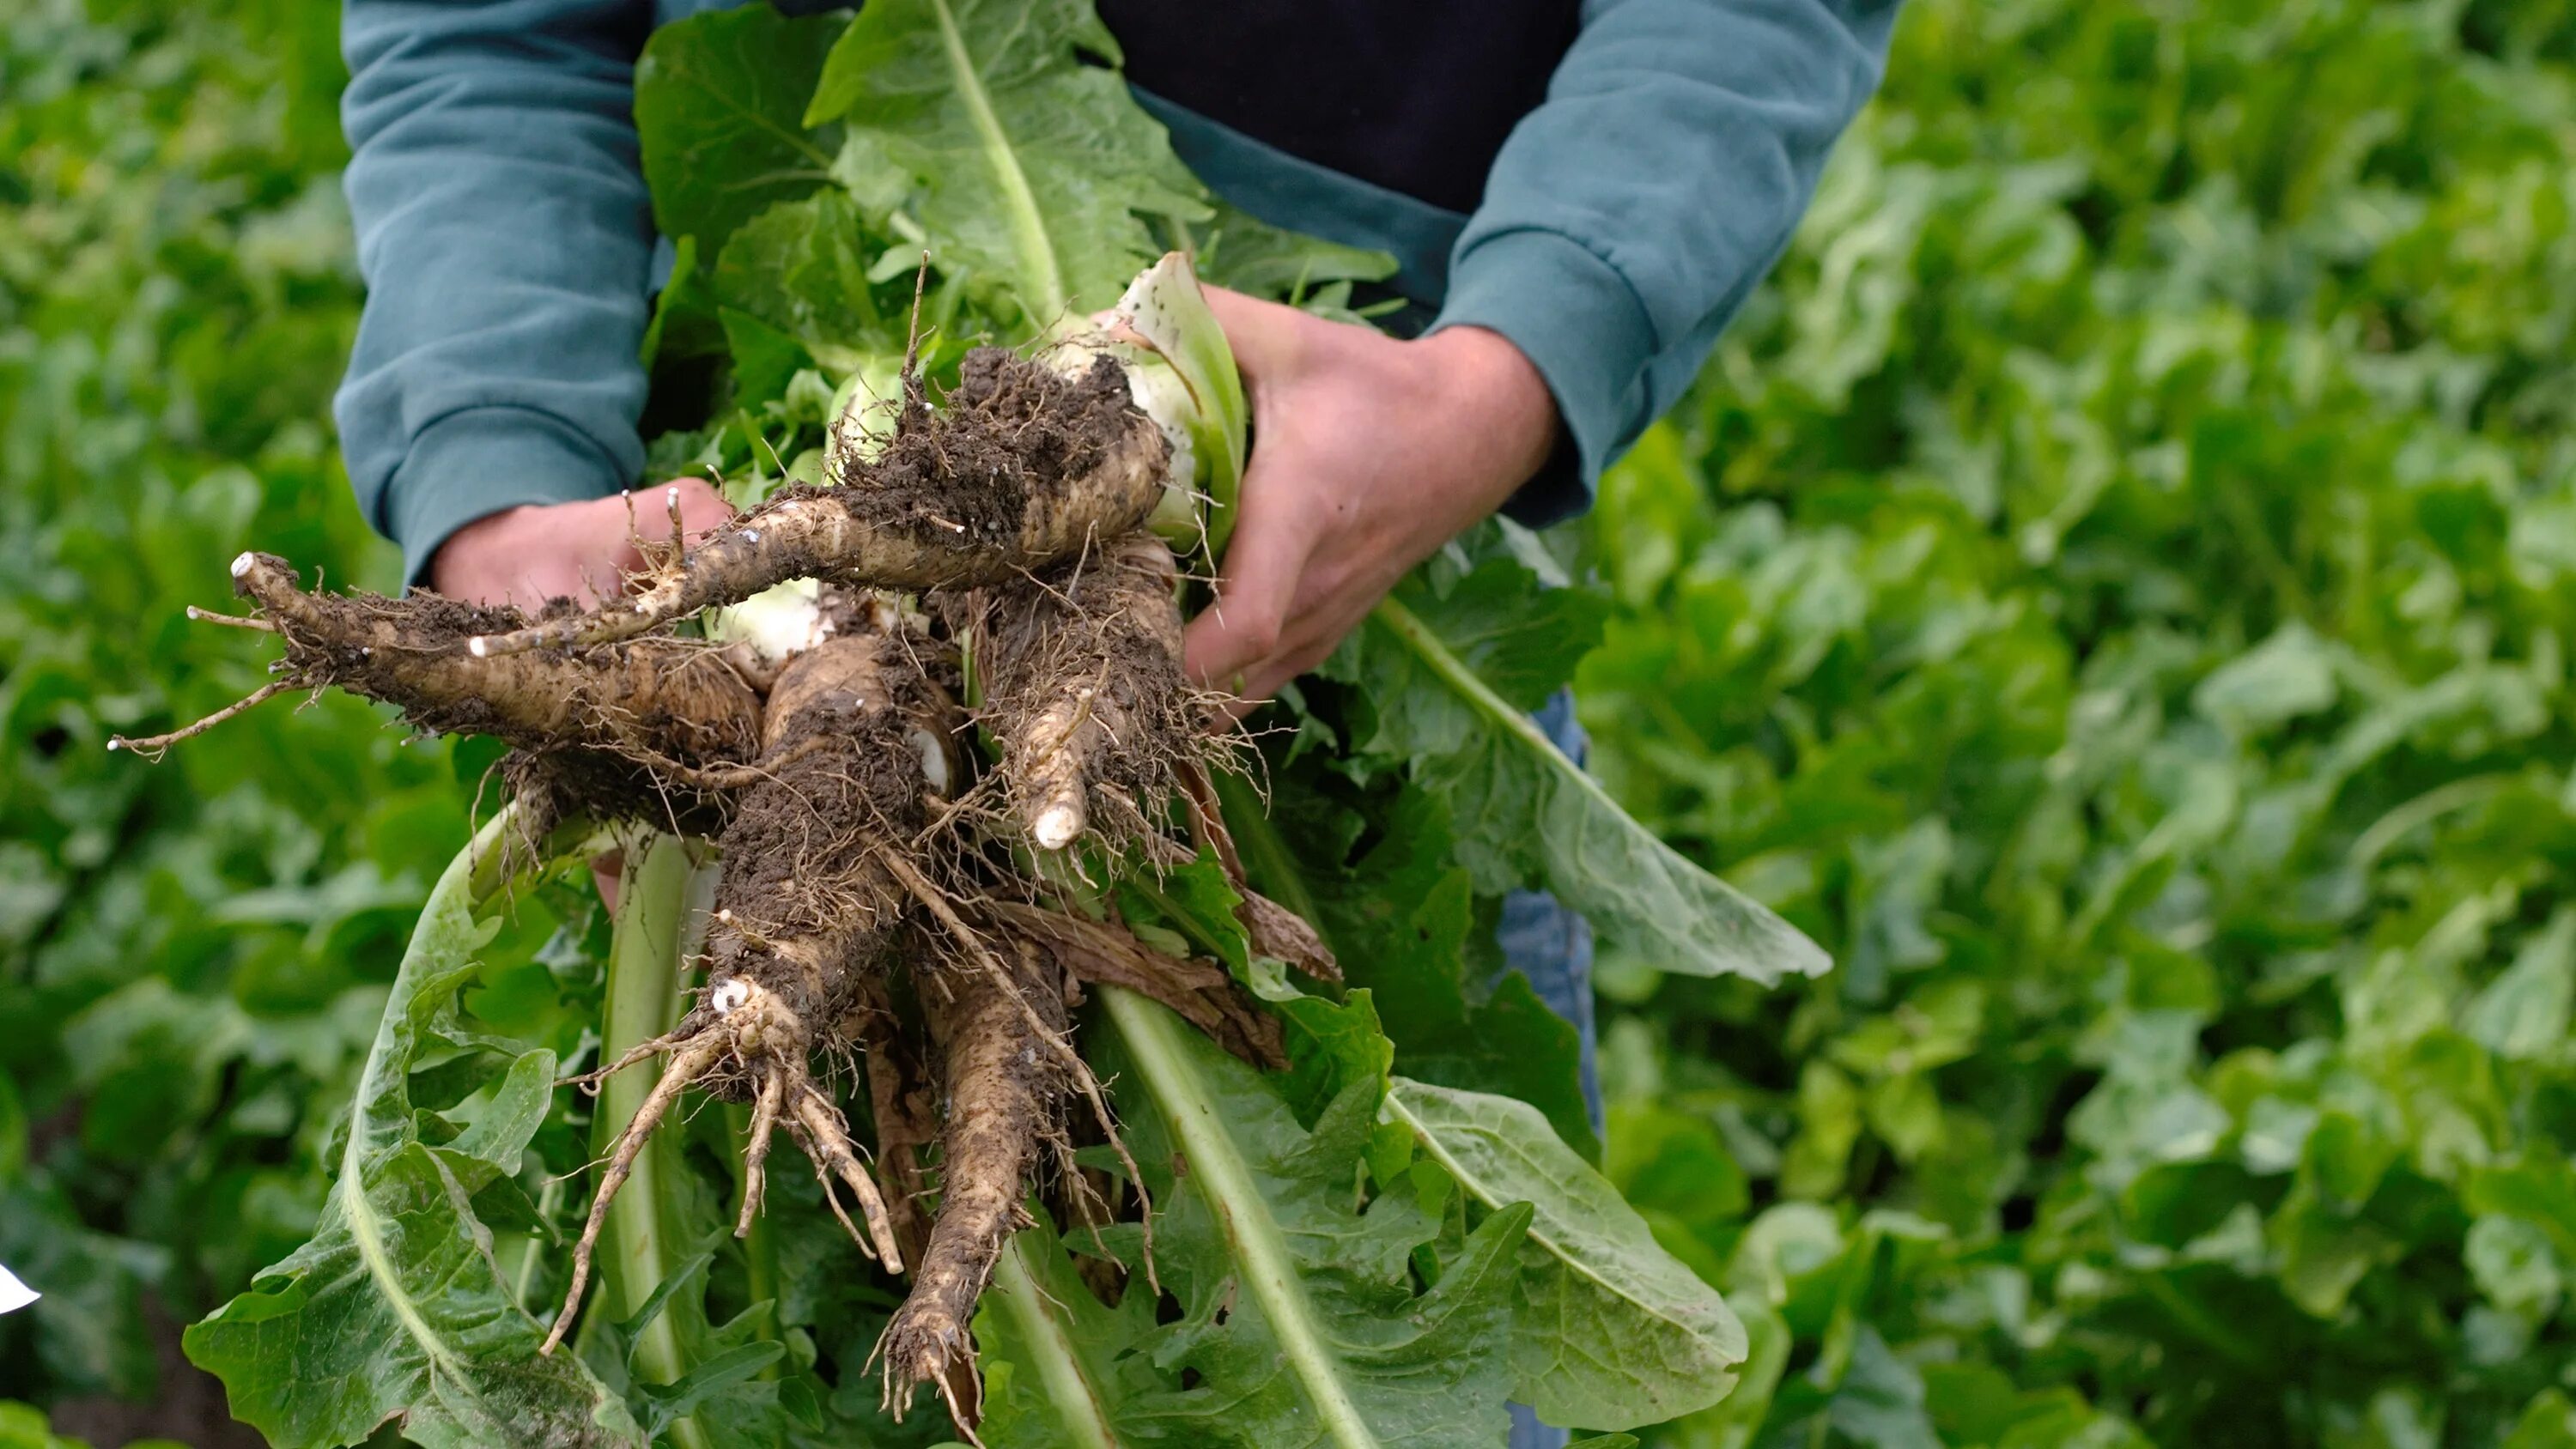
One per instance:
(505, 236)
(1629, 216)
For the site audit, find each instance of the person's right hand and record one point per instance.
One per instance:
(535, 552)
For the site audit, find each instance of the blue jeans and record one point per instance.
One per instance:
(1552, 946)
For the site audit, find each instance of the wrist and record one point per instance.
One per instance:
(457, 555)
(1497, 402)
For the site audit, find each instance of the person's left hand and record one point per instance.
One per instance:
(1369, 454)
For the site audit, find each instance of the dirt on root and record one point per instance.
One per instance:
(1001, 451)
(1083, 674)
(843, 783)
(596, 730)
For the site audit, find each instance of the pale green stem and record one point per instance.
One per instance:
(1160, 1042)
(1073, 1397)
(1405, 625)
(639, 1249)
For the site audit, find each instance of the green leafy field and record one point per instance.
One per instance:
(2112, 590)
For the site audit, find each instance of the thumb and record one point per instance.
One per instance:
(1256, 586)
(1261, 333)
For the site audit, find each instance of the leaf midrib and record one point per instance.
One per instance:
(1806, 957)
(453, 893)
(1070, 1391)
(1485, 1193)
(1223, 1180)
(1028, 223)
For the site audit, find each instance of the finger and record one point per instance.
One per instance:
(1257, 586)
(1260, 333)
(1310, 645)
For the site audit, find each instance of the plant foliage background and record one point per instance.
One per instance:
(2113, 589)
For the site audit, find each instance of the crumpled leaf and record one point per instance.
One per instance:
(1403, 916)
(1612, 1331)
(397, 1308)
(1034, 171)
(1409, 914)
(801, 267)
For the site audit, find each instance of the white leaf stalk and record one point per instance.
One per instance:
(1181, 373)
(14, 1294)
(778, 624)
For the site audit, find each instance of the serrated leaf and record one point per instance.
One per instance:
(1612, 1331)
(1299, 1318)
(1034, 171)
(1051, 1351)
(719, 106)
(1522, 810)
(396, 1309)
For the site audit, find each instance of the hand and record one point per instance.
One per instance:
(1370, 453)
(539, 551)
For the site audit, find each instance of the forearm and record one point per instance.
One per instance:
(505, 235)
(1630, 215)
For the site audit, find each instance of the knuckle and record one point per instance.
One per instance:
(1259, 635)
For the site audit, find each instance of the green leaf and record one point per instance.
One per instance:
(397, 1307)
(1611, 1330)
(765, 359)
(1299, 1317)
(801, 267)
(2524, 1012)
(1242, 253)
(1523, 811)
(1051, 1350)
(1034, 170)
(1402, 918)
(681, 325)
(2547, 1422)
(719, 105)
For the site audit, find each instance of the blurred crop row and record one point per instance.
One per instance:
(191, 954)
(2115, 588)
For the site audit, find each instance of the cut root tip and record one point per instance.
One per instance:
(244, 562)
(1056, 826)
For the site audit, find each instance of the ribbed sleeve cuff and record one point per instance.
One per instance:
(1580, 323)
(479, 461)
